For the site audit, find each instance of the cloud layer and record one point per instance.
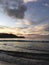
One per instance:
(34, 30)
(40, 29)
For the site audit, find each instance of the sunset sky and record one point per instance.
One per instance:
(35, 18)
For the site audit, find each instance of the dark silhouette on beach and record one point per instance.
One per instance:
(5, 35)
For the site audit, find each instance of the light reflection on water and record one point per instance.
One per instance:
(23, 46)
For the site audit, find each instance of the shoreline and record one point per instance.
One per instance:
(21, 40)
(36, 56)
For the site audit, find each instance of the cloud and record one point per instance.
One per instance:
(30, 0)
(28, 22)
(17, 13)
(46, 4)
(10, 30)
(23, 23)
(14, 8)
(39, 29)
(47, 28)
(19, 24)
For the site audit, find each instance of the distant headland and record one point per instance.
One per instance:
(6, 35)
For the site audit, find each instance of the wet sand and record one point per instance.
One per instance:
(10, 60)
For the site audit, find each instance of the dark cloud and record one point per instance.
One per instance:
(19, 13)
(14, 8)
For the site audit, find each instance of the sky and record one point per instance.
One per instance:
(30, 15)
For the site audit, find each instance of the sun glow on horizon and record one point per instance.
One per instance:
(40, 30)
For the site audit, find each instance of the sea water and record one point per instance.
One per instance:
(31, 46)
(24, 45)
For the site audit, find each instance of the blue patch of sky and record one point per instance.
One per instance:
(37, 11)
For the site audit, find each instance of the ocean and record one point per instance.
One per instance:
(26, 51)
